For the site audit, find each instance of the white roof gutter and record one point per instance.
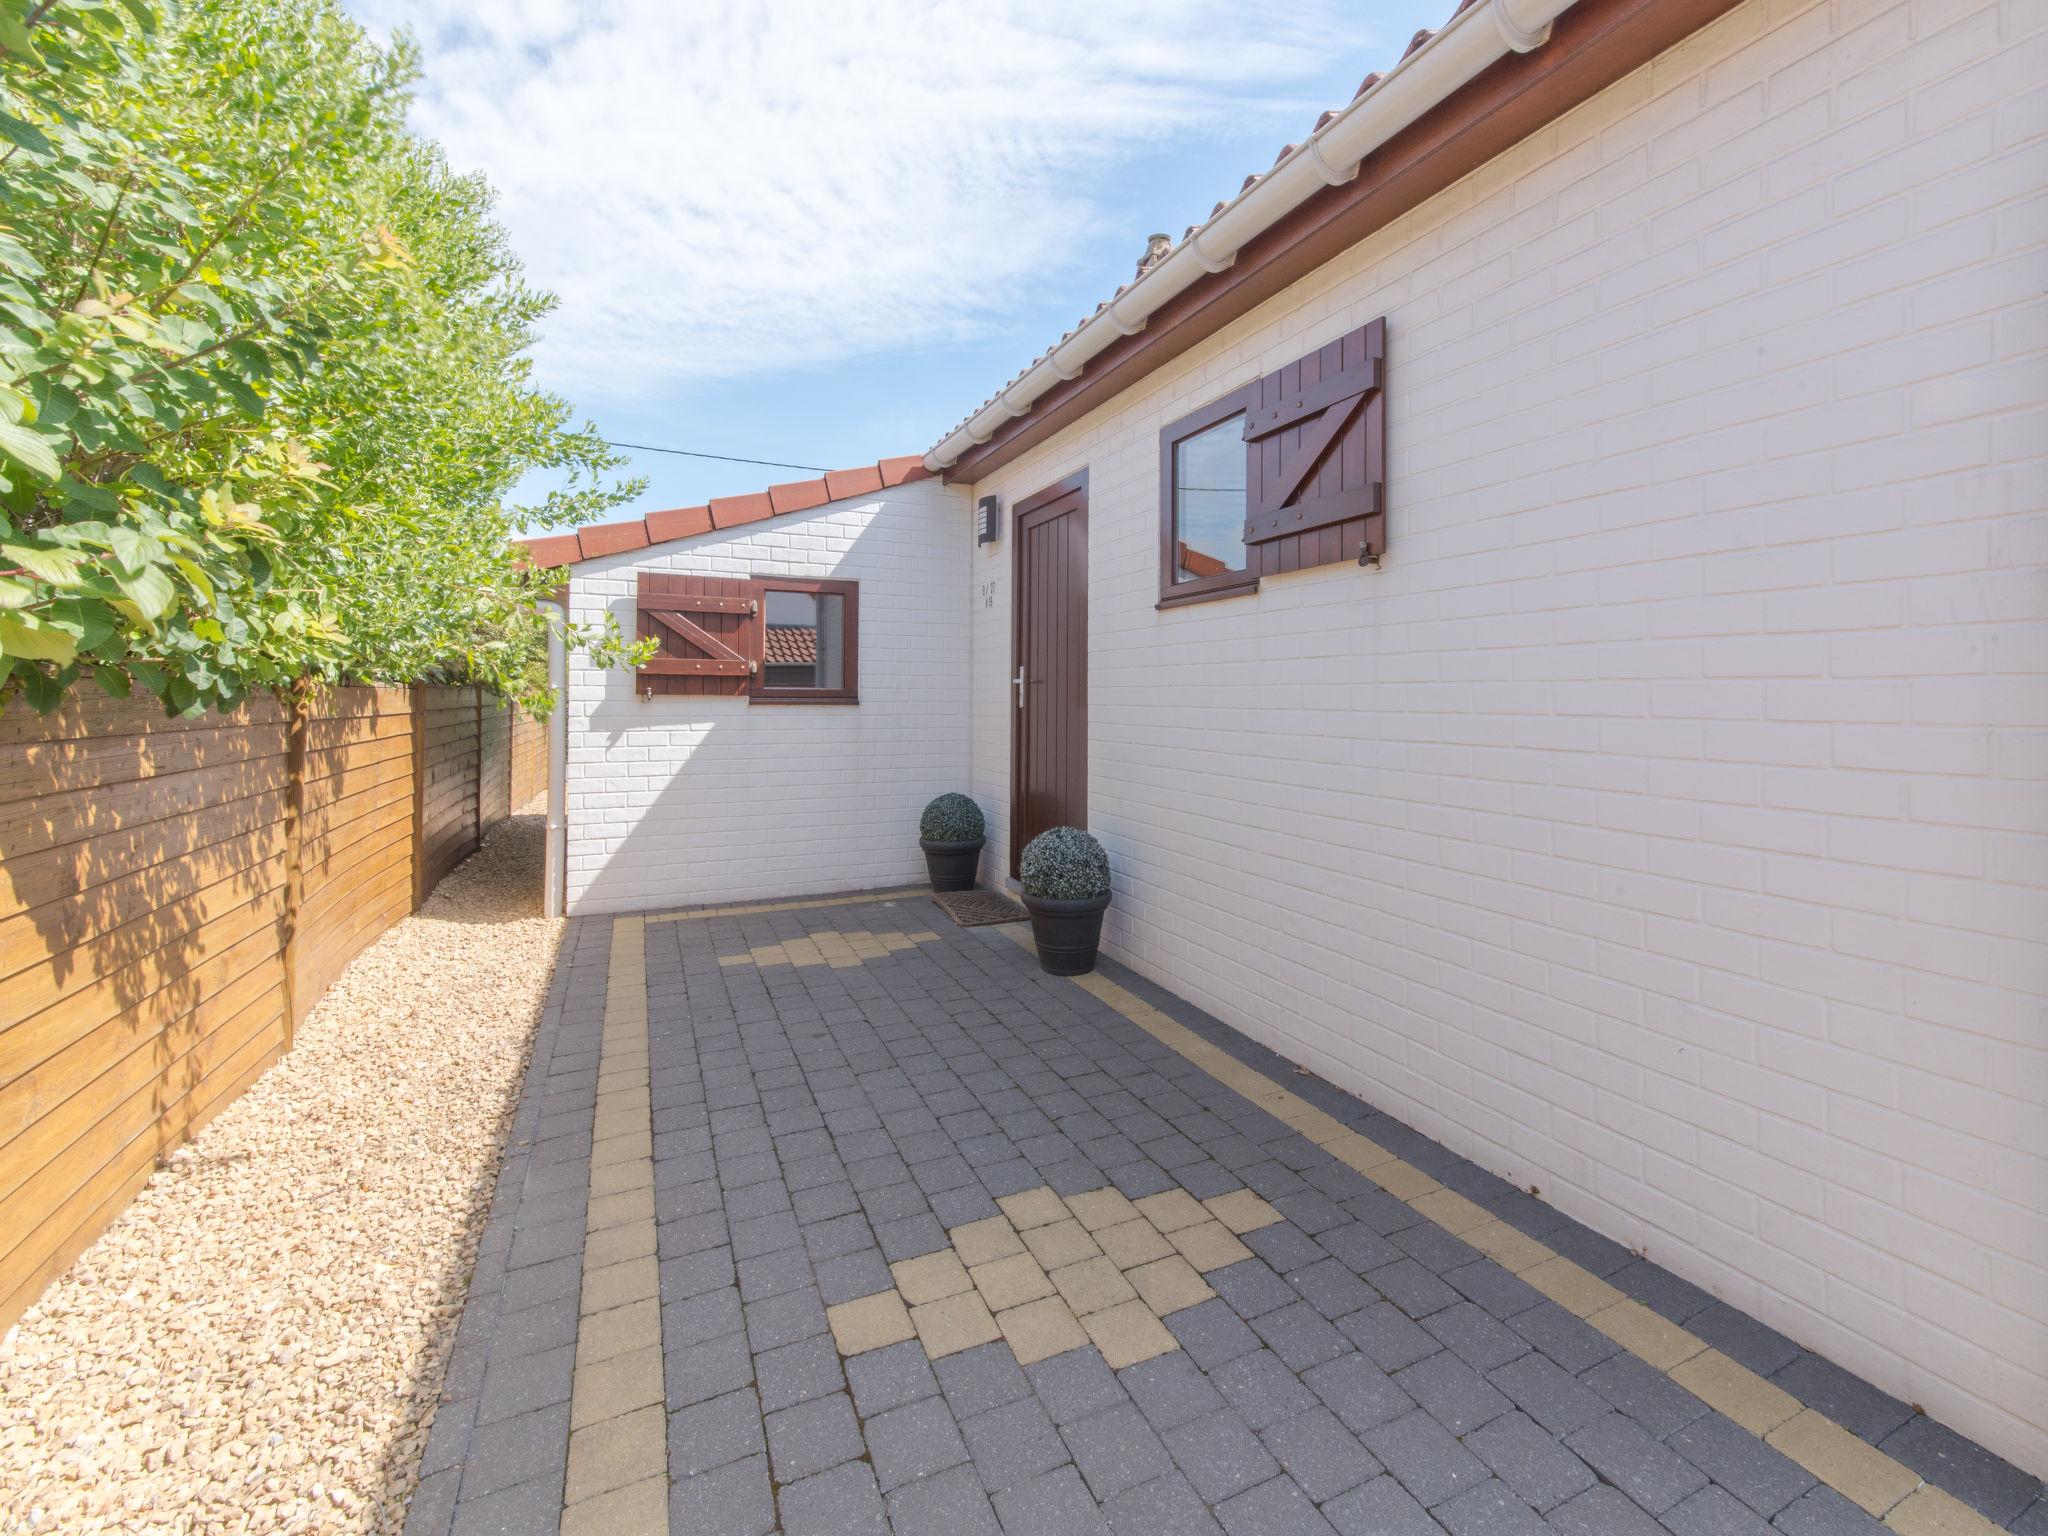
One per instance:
(1470, 42)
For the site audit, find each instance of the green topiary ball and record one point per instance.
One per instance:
(952, 818)
(1064, 864)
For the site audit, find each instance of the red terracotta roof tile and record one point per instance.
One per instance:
(612, 538)
(792, 645)
(677, 523)
(731, 511)
(552, 549)
(904, 470)
(798, 496)
(864, 481)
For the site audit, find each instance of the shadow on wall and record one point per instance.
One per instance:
(680, 800)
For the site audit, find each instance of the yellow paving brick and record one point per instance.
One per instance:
(1451, 1211)
(1735, 1390)
(1169, 1284)
(1173, 1209)
(614, 1245)
(930, 1278)
(1209, 1245)
(1092, 1285)
(979, 1242)
(1133, 1242)
(616, 1453)
(1128, 1334)
(956, 1323)
(618, 1285)
(1010, 1282)
(1857, 1470)
(1061, 1243)
(1578, 1290)
(632, 1147)
(869, 1323)
(619, 1177)
(602, 1335)
(1513, 1250)
(628, 1205)
(1038, 1330)
(609, 1388)
(1927, 1511)
(1034, 1208)
(1402, 1181)
(1242, 1211)
(640, 1509)
(1645, 1335)
(1101, 1208)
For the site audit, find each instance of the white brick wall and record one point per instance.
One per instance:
(1663, 826)
(679, 800)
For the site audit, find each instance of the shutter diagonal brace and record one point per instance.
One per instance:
(1338, 400)
(724, 660)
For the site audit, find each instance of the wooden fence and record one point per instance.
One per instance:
(174, 897)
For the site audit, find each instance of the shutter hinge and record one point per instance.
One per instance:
(1365, 555)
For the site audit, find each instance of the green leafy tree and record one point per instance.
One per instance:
(264, 384)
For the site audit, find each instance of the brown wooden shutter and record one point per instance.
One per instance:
(709, 629)
(1315, 458)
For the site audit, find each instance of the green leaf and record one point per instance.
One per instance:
(113, 682)
(29, 448)
(59, 567)
(150, 590)
(25, 134)
(43, 692)
(23, 637)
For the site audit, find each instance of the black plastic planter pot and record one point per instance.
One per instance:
(1067, 933)
(951, 865)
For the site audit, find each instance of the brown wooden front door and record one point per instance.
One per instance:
(1049, 663)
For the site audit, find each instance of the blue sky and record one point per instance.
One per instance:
(823, 232)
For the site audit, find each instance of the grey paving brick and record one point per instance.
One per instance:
(708, 1316)
(1476, 1336)
(1261, 1388)
(1301, 1336)
(950, 1503)
(1169, 1390)
(1116, 1449)
(1381, 1507)
(1500, 1293)
(1742, 1338)
(1985, 1482)
(1648, 1396)
(785, 1319)
(1075, 1385)
(909, 1236)
(798, 1372)
(1358, 1392)
(1529, 1459)
(812, 1436)
(517, 1450)
(1452, 1393)
(840, 1502)
(1211, 1333)
(702, 1371)
(733, 1500)
(1713, 1512)
(1661, 1291)
(913, 1441)
(1763, 1478)
(695, 1273)
(975, 1380)
(1277, 1507)
(1428, 1462)
(1332, 1289)
(1013, 1444)
(1555, 1399)
(1388, 1335)
(1359, 1247)
(1320, 1454)
(1602, 1511)
(520, 1384)
(1251, 1287)
(1571, 1343)
(711, 1433)
(1054, 1504)
(850, 1276)
(1491, 1509)
(1435, 1249)
(1412, 1288)
(1219, 1455)
(1587, 1248)
(1843, 1396)
(431, 1510)
(840, 1235)
(1824, 1512)
(1619, 1449)
(1166, 1506)
(532, 1508)
(1284, 1246)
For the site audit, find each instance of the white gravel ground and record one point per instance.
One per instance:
(256, 1344)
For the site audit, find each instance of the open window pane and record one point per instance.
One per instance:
(1209, 501)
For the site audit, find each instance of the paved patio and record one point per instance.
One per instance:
(831, 1217)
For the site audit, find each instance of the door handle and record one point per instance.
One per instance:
(1019, 681)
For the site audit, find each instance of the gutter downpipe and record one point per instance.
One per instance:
(1472, 41)
(554, 869)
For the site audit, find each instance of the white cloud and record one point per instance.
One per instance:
(719, 188)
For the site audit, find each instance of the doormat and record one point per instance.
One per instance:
(979, 909)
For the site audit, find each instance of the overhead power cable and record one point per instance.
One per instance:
(729, 458)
